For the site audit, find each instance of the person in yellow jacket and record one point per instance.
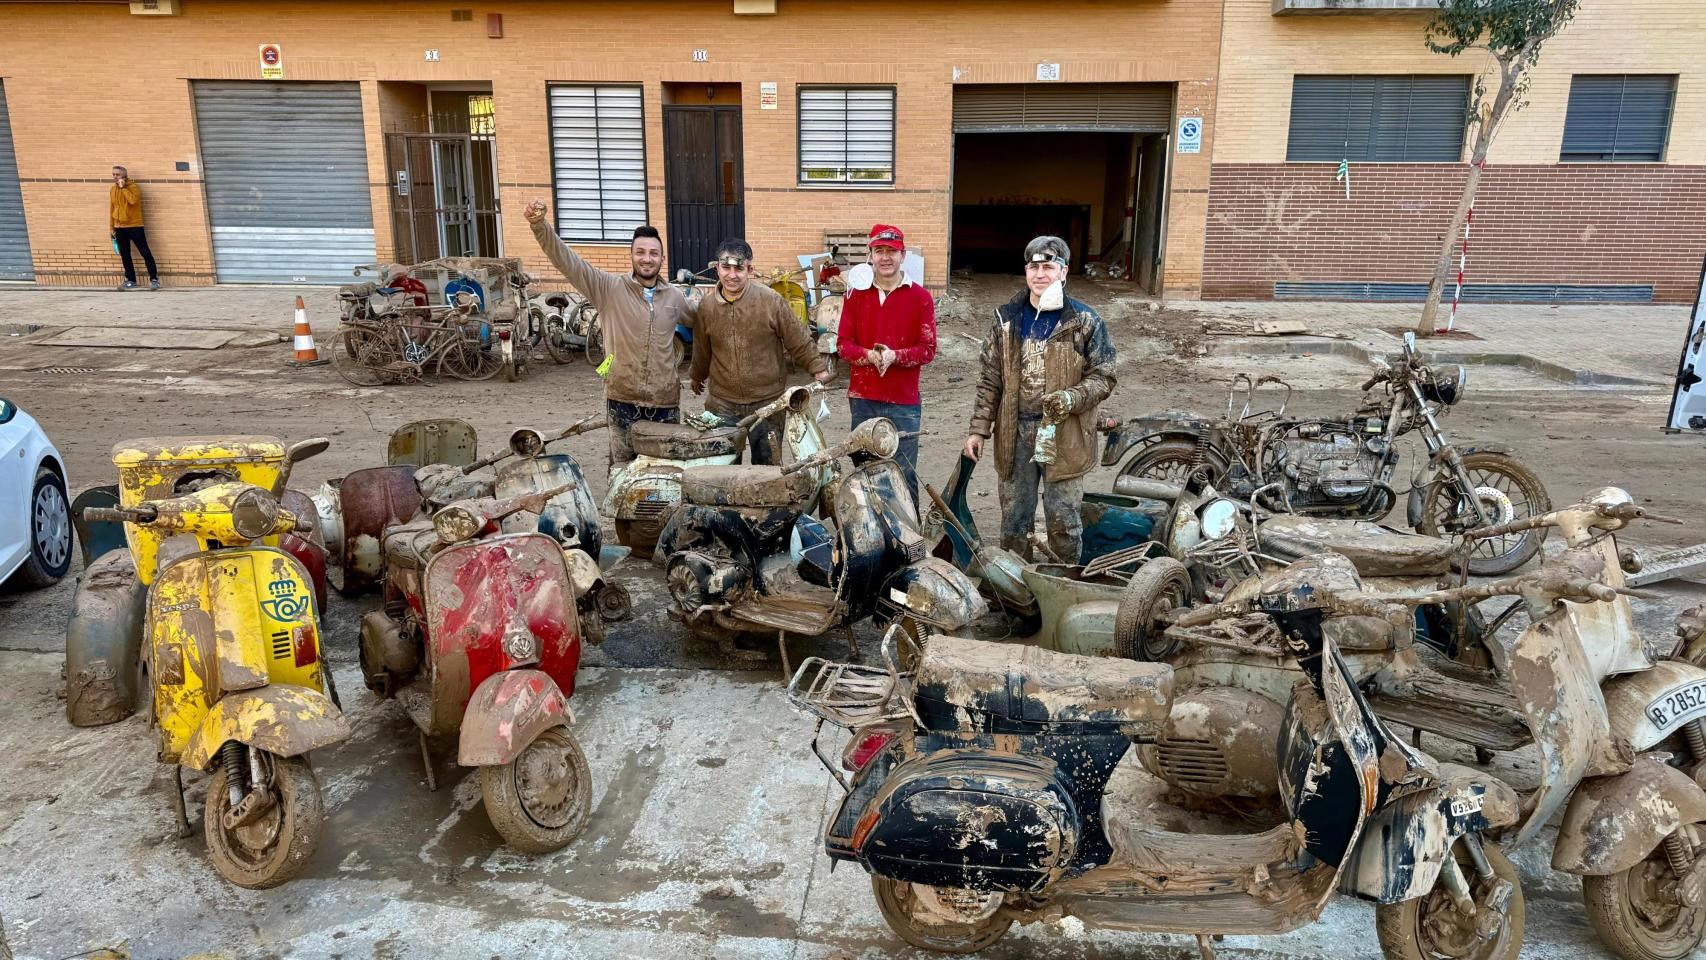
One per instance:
(124, 202)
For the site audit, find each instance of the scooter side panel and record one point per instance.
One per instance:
(506, 713)
(371, 500)
(224, 621)
(492, 605)
(1405, 842)
(283, 720)
(103, 642)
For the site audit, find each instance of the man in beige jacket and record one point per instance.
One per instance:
(638, 314)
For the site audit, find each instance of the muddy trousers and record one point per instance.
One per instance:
(1018, 493)
(906, 418)
(124, 237)
(764, 442)
(622, 417)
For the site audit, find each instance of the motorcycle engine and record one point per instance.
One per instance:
(697, 580)
(1332, 463)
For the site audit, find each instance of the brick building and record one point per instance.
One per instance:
(1596, 190)
(286, 143)
(405, 129)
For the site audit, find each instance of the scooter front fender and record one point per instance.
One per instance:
(1404, 844)
(506, 713)
(282, 719)
(1437, 469)
(1646, 707)
(1612, 823)
(103, 642)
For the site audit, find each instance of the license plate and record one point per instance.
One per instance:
(1678, 705)
(1464, 806)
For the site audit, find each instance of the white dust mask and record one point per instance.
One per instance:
(1053, 298)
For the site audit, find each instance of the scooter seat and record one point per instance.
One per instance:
(1016, 682)
(407, 544)
(1376, 551)
(675, 441)
(746, 486)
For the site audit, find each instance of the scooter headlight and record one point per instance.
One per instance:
(455, 524)
(254, 513)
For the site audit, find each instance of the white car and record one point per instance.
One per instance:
(35, 513)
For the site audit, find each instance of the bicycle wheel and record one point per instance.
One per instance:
(359, 357)
(465, 358)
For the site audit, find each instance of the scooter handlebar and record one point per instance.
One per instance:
(117, 515)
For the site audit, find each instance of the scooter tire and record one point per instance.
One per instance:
(894, 901)
(1161, 584)
(1627, 929)
(1400, 925)
(301, 819)
(542, 830)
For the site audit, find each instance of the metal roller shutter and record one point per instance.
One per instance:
(15, 263)
(1393, 118)
(1618, 118)
(1063, 107)
(285, 166)
(598, 161)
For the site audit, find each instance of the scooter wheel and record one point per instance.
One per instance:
(1158, 586)
(280, 842)
(1638, 914)
(942, 919)
(540, 801)
(1430, 926)
(615, 604)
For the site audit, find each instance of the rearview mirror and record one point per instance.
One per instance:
(303, 449)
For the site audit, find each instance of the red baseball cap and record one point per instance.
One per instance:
(883, 235)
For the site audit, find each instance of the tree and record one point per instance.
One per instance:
(1511, 31)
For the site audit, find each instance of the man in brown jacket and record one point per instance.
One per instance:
(638, 314)
(1048, 362)
(745, 338)
(124, 220)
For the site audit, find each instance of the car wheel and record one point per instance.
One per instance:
(49, 559)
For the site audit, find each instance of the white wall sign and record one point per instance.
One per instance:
(766, 95)
(272, 62)
(701, 56)
(1047, 72)
(432, 55)
(1190, 134)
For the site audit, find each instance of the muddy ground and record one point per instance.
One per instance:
(708, 804)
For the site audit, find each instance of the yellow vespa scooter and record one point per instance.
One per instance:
(231, 657)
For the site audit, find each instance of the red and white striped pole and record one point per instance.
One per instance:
(1462, 262)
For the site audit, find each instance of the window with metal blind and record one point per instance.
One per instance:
(1394, 118)
(598, 161)
(1618, 118)
(847, 135)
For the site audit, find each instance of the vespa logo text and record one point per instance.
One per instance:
(286, 604)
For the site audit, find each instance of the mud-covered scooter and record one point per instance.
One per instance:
(479, 637)
(979, 779)
(230, 663)
(747, 555)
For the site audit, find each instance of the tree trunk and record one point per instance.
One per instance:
(1436, 287)
(1509, 76)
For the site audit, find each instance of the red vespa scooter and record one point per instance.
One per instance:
(479, 637)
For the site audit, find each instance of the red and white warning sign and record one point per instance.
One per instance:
(272, 62)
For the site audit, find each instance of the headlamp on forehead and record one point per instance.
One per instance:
(1046, 258)
(732, 262)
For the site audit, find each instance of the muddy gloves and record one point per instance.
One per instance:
(535, 211)
(1057, 406)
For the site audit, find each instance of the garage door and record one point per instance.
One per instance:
(1087, 107)
(286, 172)
(14, 236)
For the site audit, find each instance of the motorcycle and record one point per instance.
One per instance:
(232, 666)
(568, 325)
(1344, 467)
(645, 492)
(979, 773)
(478, 637)
(1621, 736)
(746, 554)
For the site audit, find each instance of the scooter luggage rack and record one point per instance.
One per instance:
(851, 695)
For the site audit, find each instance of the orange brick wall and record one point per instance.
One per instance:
(74, 113)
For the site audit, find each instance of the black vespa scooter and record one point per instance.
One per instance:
(979, 773)
(747, 555)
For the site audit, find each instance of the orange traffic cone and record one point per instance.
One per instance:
(306, 353)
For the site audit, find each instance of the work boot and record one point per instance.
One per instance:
(153, 283)
(127, 285)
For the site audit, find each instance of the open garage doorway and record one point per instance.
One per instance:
(1086, 162)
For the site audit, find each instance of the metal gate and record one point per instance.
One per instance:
(1080, 107)
(704, 192)
(15, 263)
(437, 206)
(285, 166)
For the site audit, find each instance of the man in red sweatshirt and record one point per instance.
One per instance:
(887, 334)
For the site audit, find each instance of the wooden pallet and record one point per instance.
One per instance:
(849, 247)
